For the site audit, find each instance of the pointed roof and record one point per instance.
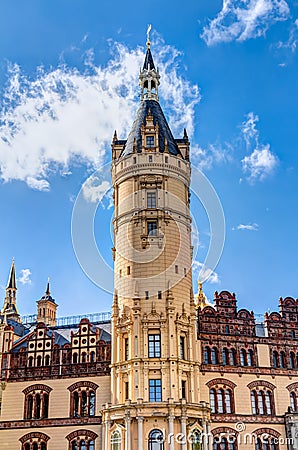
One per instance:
(12, 277)
(148, 63)
(165, 136)
(47, 295)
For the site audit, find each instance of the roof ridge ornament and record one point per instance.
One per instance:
(148, 43)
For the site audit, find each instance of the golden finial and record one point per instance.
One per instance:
(201, 297)
(148, 36)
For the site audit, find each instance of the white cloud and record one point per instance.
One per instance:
(244, 19)
(65, 116)
(95, 190)
(249, 128)
(206, 158)
(39, 185)
(291, 43)
(203, 273)
(25, 276)
(259, 164)
(249, 227)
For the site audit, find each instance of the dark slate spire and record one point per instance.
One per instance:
(148, 63)
(48, 292)
(47, 295)
(12, 277)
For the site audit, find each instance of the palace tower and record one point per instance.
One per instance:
(155, 368)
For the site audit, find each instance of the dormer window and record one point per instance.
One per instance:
(150, 142)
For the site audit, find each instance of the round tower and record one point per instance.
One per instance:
(154, 375)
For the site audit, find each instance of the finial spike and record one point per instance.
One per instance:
(148, 43)
(48, 292)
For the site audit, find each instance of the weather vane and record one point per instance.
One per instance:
(148, 35)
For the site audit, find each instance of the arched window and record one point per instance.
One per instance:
(221, 401)
(34, 441)
(243, 361)
(45, 414)
(29, 414)
(37, 406)
(225, 357)
(232, 355)
(224, 444)
(228, 402)
(275, 359)
(84, 357)
(282, 359)
(292, 360)
(83, 399)
(84, 403)
(214, 356)
(262, 402)
(74, 445)
(47, 360)
(213, 400)
(91, 445)
(250, 357)
(207, 355)
(92, 357)
(115, 440)
(75, 358)
(30, 361)
(268, 443)
(196, 440)
(156, 440)
(38, 361)
(36, 402)
(92, 404)
(293, 401)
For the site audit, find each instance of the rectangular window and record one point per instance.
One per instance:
(155, 390)
(149, 141)
(126, 349)
(182, 347)
(151, 199)
(154, 345)
(176, 269)
(159, 295)
(150, 158)
(183, 389)
(128, 270)
(166, 159)
(152, 228)
(126, 390)
(134, 160)
(147, 295)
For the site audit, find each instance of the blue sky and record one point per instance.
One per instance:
(69, 77)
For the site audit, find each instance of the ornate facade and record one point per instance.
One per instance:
(169, 371)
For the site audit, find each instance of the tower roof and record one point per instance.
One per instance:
(148, 63)
(12, 277)
(164, 132)
(47, 295)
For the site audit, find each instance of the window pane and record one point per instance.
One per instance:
(212, 401)
(151, 200)
(149, 141)
(220, 401)
(152, 228)
(154, 345)
(228, 401)
(155, 390)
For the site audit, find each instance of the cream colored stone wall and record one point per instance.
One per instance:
(59, 408)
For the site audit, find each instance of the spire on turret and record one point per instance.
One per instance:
(149, 75)
(48, 292)
(12, 277)
(47, 308)
(10, 310)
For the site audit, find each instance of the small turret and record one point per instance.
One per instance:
(47, 308)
